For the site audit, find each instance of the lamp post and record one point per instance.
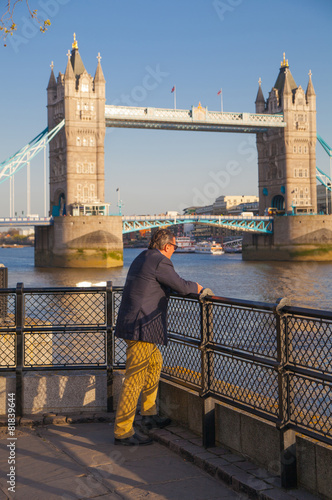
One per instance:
(120, 204)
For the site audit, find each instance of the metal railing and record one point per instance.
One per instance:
(273, 362)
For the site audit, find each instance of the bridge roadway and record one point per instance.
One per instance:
(133, 223)
(196, 119)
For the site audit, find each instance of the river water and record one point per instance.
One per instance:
(307, 284)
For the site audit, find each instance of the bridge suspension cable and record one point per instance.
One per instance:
(23, 156)
(320, 175)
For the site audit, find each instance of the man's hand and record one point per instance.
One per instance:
(200, 288)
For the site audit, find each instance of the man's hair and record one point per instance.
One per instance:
(161, 238)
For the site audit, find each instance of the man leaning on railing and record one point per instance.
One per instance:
(142, 324)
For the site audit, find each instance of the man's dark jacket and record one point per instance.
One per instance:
(142, 313)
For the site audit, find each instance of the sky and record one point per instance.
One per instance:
(197, 45)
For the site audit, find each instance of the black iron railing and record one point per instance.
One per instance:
(274, 362)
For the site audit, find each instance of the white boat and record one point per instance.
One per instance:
(209, 247)
(185, 245)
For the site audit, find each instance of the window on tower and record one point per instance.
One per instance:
(85, 87)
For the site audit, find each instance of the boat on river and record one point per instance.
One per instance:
(209, 247)
(185, 244)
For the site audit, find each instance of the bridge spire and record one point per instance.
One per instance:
(310, 88)
(52, 81)
(69, 73)
(99, 75)
(76, 61)
(260, 101)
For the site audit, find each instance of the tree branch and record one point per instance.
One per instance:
(8, 25)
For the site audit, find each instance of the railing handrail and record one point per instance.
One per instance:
(213, 335)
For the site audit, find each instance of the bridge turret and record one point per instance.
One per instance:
(260, 101)
(77, 155)
(286, 157)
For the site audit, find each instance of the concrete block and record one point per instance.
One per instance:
(324, 469)
(173, 402)
(7, 386)
(195, 409)
(64, 391)
(228, 426)
(261, 442)
(306, 463)
(118, 377)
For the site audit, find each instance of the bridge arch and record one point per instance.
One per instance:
(278, 202)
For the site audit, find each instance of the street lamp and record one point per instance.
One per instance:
(120, 203)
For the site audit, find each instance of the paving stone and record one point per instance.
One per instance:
(226, 472)
(219, 450)
(246, 483)
(198, 441)
(274, 481)
(121, 475)
(233, 458)
(302, 495)
(194, 489)
(211, 465)
(67, 488)
(275, 494)
(248, 466)
(261, 473)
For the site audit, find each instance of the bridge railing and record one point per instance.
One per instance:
(273, 363)
(187, 115)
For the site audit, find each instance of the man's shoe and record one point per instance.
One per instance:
(134, 440)
(155, 422)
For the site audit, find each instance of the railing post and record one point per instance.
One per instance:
(19, 321)
(288, 471)
(3, 298)
(109, 344)
(208, 413)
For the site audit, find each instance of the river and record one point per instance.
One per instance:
(307, 284)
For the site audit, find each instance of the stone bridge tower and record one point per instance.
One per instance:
(287, 157)
(77, 174)
(77, 152)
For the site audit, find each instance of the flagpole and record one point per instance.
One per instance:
(221, 103)
(174, 97)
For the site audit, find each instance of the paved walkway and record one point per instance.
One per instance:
(80, 461)
(59, 458)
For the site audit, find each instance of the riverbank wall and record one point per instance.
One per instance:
(78, 242)
(294, 238)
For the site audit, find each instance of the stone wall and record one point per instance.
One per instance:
(295, 238)
(94, 241)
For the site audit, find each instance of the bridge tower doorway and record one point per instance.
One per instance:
(278, 202)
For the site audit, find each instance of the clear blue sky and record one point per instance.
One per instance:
(200, 46)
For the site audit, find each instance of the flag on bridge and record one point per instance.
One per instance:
(218, 93)
(173, 89)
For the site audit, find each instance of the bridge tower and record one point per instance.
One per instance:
(77, 152)
(77, 174)
(287, 157)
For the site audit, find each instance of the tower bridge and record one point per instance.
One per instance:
(285, 128)
(134, 223)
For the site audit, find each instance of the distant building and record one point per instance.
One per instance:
(234, 205)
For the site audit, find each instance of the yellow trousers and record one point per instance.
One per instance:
(143, 367)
